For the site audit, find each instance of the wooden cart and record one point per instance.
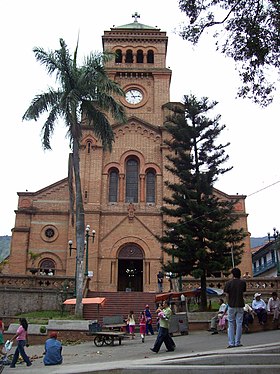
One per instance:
(107, 337)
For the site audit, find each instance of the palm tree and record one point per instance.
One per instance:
(84, 94)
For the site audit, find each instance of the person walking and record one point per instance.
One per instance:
(53, 350)
(234, 290)
(149, 322)
(142, 326)
(21, 337)
(131, 324)
(163, 333)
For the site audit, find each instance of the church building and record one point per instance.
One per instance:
(123, 190)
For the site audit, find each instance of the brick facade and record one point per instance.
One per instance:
(43, 222)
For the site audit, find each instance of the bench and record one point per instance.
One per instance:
(113, 323)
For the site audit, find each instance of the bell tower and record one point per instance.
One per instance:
(139, 66)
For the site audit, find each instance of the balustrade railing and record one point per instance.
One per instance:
(253, 284)
(61, 283)
(53, 282)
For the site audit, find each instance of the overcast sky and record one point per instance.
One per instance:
(253, 132)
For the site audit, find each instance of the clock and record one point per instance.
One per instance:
(133, 96)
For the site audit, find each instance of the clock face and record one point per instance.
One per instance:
(133, 96)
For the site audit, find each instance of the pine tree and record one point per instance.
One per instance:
(199, 234)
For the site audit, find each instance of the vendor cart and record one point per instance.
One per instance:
(179, 324)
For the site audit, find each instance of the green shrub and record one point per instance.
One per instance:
(43, 329)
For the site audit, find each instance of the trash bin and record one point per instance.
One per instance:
(94, 327)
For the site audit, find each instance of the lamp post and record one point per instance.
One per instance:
(70, 243)
(88, 235)
(276, 245)
(173, 260)
(232, 256)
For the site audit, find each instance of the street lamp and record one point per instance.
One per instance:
(88, 235)
(173, 260)
(276, 237)
(70, 243)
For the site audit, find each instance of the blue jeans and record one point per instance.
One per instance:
(149, 328)
(20, 351)
(235, 319)
(163, 336)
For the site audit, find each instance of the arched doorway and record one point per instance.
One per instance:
(47, 267)
(130, 268)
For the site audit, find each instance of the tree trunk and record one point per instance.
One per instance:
(203, 295)
(80, 231)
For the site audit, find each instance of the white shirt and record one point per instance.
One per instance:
(222, 310)
(258, 304)
(273, 304)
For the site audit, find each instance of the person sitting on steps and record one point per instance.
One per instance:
(273, 307)
(259, 308)
(248, 317)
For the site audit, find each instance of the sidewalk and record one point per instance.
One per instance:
(87, 358)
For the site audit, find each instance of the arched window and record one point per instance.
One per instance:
(140, 56)
(113, 186)
(47, 267)
(118, 58)
(150, 186)
(129, 56)
(88, 146)
(132, 179)
(150, 57)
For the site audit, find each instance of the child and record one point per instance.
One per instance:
(131, 324)
(142, 325)
(158, 318)
(223, 319)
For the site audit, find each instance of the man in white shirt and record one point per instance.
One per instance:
(259, 308)
(273, 306)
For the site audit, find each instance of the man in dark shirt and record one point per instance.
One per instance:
(234, 290)
(160, 281)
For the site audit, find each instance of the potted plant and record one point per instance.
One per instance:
(43, 329)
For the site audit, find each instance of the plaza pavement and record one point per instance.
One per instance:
(198, 352)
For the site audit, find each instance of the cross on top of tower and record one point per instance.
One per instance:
(136, 15)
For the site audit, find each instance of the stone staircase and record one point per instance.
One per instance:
(119, 303)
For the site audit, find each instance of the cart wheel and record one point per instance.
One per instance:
(109, 340)
(98, 341)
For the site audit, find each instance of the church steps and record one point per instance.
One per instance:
(120, 303)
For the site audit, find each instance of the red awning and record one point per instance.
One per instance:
(87, 300)
(175, 295)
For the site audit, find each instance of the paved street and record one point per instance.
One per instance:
(86, 357)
